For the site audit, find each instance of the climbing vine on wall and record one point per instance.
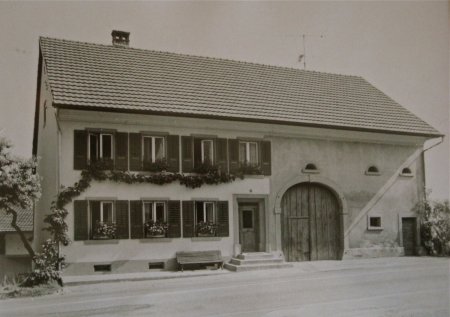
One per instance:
(99, 172)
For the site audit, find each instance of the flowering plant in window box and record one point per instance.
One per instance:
(158, 165)
(248, 168)
(206, 167)
(105, 230)
(155, 229)
(206, 229)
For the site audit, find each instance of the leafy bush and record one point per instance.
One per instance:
(434, 226)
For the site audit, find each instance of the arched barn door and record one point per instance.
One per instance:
(310, 223)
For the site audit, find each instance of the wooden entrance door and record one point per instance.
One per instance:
(248, 227)
(310, 223)
(409, 235)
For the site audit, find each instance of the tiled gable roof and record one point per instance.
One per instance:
(98, 76)
(24, 220)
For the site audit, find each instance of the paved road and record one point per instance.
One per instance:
(379, 287)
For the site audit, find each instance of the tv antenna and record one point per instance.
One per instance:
(302, 57)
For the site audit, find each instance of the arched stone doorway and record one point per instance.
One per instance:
(310, 223)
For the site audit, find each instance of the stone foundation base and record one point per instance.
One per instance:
(375, 252)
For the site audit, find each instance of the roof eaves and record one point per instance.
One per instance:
(232, 118)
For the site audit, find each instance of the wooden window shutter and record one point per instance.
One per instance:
(121, 151)
(188, 219)
(79, 149)
(187, 162)
(197, 152)
(173, 153)
(81, 230)
(136, 221)
(266, 164)
(174, 219)
(122, 219)
(233, 153)
(135, 152)
(222, 154)
(222, 219)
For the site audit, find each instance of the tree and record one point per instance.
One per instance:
(19, 187)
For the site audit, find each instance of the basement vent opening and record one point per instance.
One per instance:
(102, 268)
(156, 265)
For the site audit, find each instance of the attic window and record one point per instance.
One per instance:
(406, 172)
(372, 170)
(310, 168)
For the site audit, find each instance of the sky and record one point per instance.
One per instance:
(402, 48)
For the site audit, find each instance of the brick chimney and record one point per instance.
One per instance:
(120, 38)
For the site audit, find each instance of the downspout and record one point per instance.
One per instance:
(423, 163)
(58, 168)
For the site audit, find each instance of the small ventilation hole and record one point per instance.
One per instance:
(311, 167)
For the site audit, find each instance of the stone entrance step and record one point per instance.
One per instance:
(255, 261)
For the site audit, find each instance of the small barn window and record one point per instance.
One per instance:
(406, 172)
(374, 223)
(310, 168)
(373, 170)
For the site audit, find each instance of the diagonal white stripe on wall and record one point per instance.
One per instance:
(382, 191)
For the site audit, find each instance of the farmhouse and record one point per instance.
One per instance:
(203, 154)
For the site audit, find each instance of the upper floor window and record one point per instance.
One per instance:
(153, 148)
(207, 151)
(248, 152)
(100, 146)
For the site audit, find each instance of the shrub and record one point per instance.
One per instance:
(434, 219)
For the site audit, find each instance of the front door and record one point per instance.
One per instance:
(248, 228)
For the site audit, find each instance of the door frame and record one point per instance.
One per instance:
(263, 227)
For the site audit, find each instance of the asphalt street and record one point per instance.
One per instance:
(378, 287)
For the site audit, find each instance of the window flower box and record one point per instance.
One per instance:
(104, 230)
(247, 168)
(206, 229)
(155, 229)
(158, 165)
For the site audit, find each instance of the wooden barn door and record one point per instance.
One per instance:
(409, 235)
(310, 223)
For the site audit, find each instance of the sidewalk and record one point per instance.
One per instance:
(297, 268)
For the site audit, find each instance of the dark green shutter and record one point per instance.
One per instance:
(188, 218)
(79, 149)
(187, 163)
(174, 219)
(222, 154)
(222, 219)
(135, 152)
(80, 212)
(173, 153)
(233, 154)
(266, 164)
(122, 219)
(121, 151)
(137, 225)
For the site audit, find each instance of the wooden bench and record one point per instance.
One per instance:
(199, 257)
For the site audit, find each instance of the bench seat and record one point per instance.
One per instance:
(199, 257)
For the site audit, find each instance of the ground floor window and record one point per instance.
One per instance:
(102, 221)
(205, 220)
(154, 218)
